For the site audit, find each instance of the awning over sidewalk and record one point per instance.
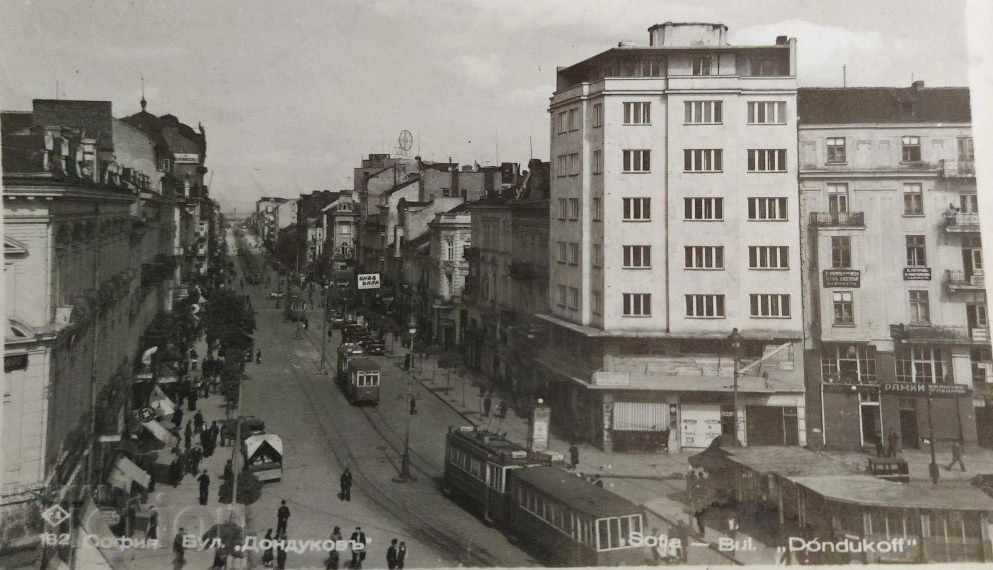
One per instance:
(163, 406)
(126, 472)
(93, 531)
(161, 433)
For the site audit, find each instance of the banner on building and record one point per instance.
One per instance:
(847, 278)
(186, 158)
(916, 273)
(920, 389)
(539, 428)
(368, 281)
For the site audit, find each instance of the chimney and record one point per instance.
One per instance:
(781, 40)
(917, 85)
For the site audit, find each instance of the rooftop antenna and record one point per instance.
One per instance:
(143, 101)
(844, 76)
(530, 148)
(56, 89)
(496, 158)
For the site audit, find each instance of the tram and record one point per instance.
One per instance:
(558, 514)
(294, 308)
(358, 377)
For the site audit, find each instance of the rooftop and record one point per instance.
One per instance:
(915, 104)
(867, 490)
(576, 492)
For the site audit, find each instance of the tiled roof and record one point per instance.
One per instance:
(93, 118)
(13, 121)
(883, 105)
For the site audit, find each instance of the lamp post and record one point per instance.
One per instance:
(735, 341)
(324, 329)
(901, 335)
(405, 474)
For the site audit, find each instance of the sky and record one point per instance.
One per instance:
(293, 94)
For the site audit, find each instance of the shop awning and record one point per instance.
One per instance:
(161, 433)
(256, 443)
(126, 472)
(163, 406)
(93, 531)
(146, 357)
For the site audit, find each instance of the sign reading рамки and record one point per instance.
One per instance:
(919, 389)
(847, 278)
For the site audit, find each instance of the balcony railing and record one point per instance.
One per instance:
(958, 169)
(841, 219)
(962, 281)
(961, 222)
(980, 334)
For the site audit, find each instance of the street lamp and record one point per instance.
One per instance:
(901, 335)
(405, 474)
(735, 341)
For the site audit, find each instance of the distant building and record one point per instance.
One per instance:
(897, 305)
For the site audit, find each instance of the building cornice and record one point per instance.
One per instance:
(874, 174)
(864, 126)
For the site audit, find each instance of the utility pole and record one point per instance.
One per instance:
(405, 474)
(735, 339)
(324, 329)
(933, 467)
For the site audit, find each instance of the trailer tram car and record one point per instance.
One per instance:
(360, 379)
(477, 464)
(562, 517)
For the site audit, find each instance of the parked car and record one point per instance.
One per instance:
(351, 348)
(276, 294)
(373, 346)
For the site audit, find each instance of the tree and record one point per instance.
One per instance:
(249, 489)
(229, 320)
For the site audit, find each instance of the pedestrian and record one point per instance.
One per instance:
(176, 469)
(683, 539)
(228, 475)
(573, 456)
(413, 405)
(188, 435)
(198, 421)
(502, 409)
(204, 481)
(177, 547)
(487, 404)
(191, 402)
(358, 547)
(258, 356)
(894, 444)
(482, 395)
(956, 456)
(177, 416)
(220, 559)
(333, 560)
(195, 457)
(282, 517)
(268, 553)
(391, 555)
(281, 552)
(346, 485)
(336, 534)
(401, 555)
(223, 435)
(152, 531)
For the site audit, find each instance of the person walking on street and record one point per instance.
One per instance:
(956, 456)
(346, 485)
(177, 547)
(198, 422)
(258, 356)
(195, 457)
(282, 517)
(391, 555)
(894, 444)
(176, 468)
(401, 555)
(413, 405)
(188, 435)
(177, 416)
(268, 553)
(204, 481)
(358, 547)
(191, 401)
(152, 531)
(334, 559)
(573, 456)
(220, 559)
(228, 475)
(281, 551)
(487, 404)
(502, 409)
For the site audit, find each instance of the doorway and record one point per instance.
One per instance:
(869, 417)
(909, 436)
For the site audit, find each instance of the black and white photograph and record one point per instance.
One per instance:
(525, 283)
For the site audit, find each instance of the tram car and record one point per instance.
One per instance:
(359, 378)
(294, 306)
(559, 515)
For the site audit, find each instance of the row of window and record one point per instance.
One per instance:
(698, 306)
(694, 160)
(910, 149)
(839, 200)
(694, 113)
(610, 533)
(915, 248)
(694, 256)
(844, 307)
(694, 209)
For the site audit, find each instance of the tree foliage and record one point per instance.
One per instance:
(229, 320)
(249, 489)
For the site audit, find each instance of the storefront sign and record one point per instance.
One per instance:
(186, 158)
(368, 281)
(848, 278)
(540, 419)
(916, 273)
(918, 389)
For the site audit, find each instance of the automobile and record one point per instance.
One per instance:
(276, 294)
(336, 319)
(373, 346)
(351, 348)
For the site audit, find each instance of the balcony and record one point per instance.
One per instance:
(837, 219)
(958, 281)
(957, 169)
(980, 334)
(961, 222)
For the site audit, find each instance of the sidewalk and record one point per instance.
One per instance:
(179, 506)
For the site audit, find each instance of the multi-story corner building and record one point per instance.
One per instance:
(508, 280)
(340, 219)
(88, 239)
(896, 308)
(376, 175)
(674, 219)
(451, 234)
(310, 220)
(265, 208)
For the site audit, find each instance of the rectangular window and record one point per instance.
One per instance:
(563, 208)
(637, 256)
(562, 165)
(561, 125)
(911, 149)
(841, 252)
(562, 294)
(844, 310)
(849, 364)
(637, 304)
(767, 209)
(597, 115)
(637, 160)
(637, 209)
(597, 162)
(703, 112)
(966, 150)
(770, 305)
(563, 247)
(920, 307)
(703, 160)
(639, 113)
(165, 165)
(920, 364)
(573, 253)
(573, 119)
(767, 160)
(916, 252)
(703, 257)
(913, 200)
(597, 303)
(836, 149)
(703, 65)
(703, 209)
(768, 257)
(597, 210)
(574, 164)
(573, 298)
(837, 195)
(573, 208)
(705, 306)
(597, 255)
(766, 112)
